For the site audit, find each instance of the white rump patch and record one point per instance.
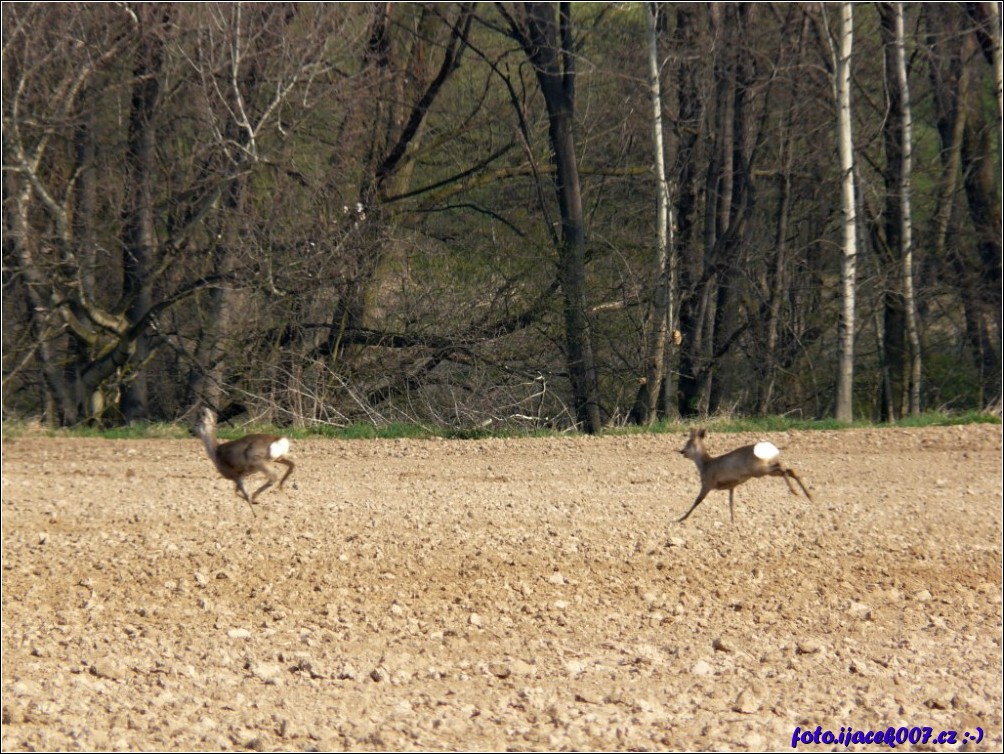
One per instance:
(766, 451)
(279, 448)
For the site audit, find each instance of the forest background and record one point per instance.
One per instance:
(499, 215)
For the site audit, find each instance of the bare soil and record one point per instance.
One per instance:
(502, 594)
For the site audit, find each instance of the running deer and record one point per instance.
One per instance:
(241, 458)
(726, 472)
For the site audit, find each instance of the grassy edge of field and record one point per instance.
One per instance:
(402, 430)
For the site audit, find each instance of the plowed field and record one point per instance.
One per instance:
(502, 595)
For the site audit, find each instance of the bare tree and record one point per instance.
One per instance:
(48, 80)
(776, 282)
(967, 149)
(141, 251)
(691, 126)
(713, 232)
(403, 75)
(901, 336)
(255, 66)
(660, 310)
(544, 32)
(845, 148)
(905, 212)
(107, 273)
(378, 211)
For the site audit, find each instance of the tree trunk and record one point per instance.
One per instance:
(548, 46)
(572, 273)
(968, 152)
(981, 182)
(906, 222)
(60, 407)
(140, 226)
(692, 107)
(845, 148)
(661, 306)
(399, 116)
(901, 339)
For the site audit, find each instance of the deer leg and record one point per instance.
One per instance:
(244, 493)
(781, 471)
(791, 473)
(700, 497)
(787, 480)
(732, 510)
(269, 483)
(289, 470)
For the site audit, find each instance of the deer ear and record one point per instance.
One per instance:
(701, 433)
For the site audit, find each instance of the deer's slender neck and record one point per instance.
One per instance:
(700, 457)
(208, 438)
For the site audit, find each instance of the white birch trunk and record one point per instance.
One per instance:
(913, 331)
(845, 149)
(662, 303)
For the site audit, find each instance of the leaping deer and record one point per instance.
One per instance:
(726, 472)
(241, 458)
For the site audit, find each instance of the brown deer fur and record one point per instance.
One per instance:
(241, 458)
(728, 471)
